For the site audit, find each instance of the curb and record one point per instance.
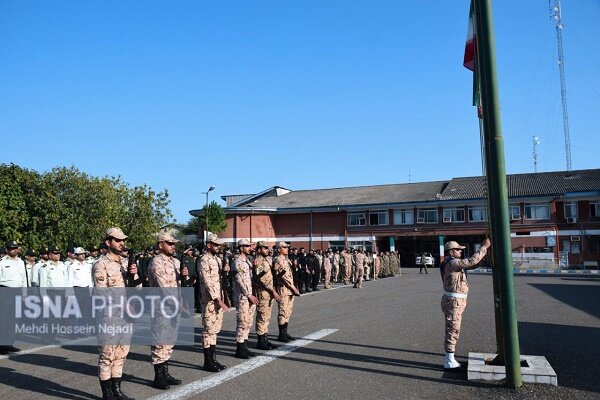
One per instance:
(542, 271)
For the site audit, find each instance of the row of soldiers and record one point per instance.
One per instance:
(252, 278)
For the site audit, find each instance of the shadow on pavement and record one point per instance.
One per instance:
(577, 296)
(23, 382)
(572, 351)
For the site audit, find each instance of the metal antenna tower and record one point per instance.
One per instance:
(556, 13)
(536, 141)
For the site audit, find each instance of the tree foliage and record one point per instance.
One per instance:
(216, 221)
(67, 207)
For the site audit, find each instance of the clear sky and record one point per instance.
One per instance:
(302, 94)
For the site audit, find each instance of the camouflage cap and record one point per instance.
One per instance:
(453, 245)
(243, 242)
(282, 244)
(261, 243)
(214, 239)
(78, 250)
(116, 233)
(166, 237)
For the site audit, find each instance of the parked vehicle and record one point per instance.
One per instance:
(429, 260)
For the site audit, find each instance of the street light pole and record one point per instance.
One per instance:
(206, 214)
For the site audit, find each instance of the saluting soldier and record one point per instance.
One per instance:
(285, 285)
(265, 292)
(244, 297)
(107, 274)
(213, 304)
(164, 271)
(454, 300)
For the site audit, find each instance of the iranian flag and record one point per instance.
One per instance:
(470, 59)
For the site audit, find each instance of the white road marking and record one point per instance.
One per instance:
(202, 385)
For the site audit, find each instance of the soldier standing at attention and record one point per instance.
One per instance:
(164, 271)
(12, 274)
(106, 274)
(327, 269)
(30, 261)
(385, 261)
(359, 261)
(53, 273)
(454, 300)
(213, 304)
(347, 258)
(79, 271)
(335, 266)
(244, 298)
(285, 285)
(265, 293)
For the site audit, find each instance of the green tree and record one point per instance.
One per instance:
(216, 221)
(67, 207)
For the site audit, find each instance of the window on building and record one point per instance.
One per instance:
(456, 214)
(537, 211)
(594, 209)
(404, 217)
(356, 219)
(515, 212)
(427, 216)
(360, 244)
(378, 218)
(477, 214)
(571, 209)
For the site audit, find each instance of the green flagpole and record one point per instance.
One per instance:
(496, 182)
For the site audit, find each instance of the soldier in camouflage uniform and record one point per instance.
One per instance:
(107, 273)
(213, 304)
(454, 300)
(266, 293)
(346, 260)
(244, 298)
(164, 271)
(285, 285)
(359, 260)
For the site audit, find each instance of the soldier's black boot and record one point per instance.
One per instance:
(160, 379)
(271, 345)
(213, 351)
(282, 336)
(248, 351)
(116, 388)
(289, 337)
(209, 364)
(262, 343)
(107, 393)
(170, 379)
(240, 351)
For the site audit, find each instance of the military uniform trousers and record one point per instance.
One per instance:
(111, 360)
(164, 330)
(453, 309)
(347, 272)
(286, 306)
(358, 275)
(327, 276)
(212, 320)
(245, 314)
(263, 312)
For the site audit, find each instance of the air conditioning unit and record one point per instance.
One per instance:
(447, 219)
(571, 220)
(420, 220)
(575, 238)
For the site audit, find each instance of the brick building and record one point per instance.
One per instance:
(555, 217)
